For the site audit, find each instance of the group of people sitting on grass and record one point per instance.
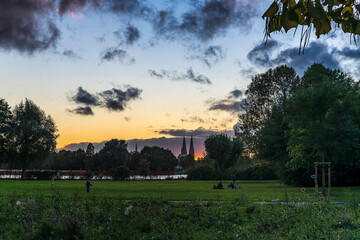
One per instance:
(230, 186)
(220, 186)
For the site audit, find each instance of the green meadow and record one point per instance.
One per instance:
(63, 210)
(173, 190)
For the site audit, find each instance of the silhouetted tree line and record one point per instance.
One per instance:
(225, 159)
(114, 154)
(28, 141)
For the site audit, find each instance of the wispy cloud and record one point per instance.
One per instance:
(175, 76)
(209, 56)
(86, 111)
(199, 132)
(111, 54)
(231, 103)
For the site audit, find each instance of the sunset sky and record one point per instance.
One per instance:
(132, 69)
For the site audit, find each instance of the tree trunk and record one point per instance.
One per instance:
(22, 173)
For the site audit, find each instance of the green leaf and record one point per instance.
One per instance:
(347, 13)
(313, 11)
(290, 20)
(346, 27)
(322, 26)
(289, 3)
(272, 10)
(275, 24)
(357, 28)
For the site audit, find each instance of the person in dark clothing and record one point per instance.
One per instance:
(233, 178)
(231, 186)
(220, 186)
(88, 185)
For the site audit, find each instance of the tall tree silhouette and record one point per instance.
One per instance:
(34, 134)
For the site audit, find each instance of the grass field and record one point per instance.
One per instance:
(60, 210)
(173, 190)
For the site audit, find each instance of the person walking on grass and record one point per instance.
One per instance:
(88, 185)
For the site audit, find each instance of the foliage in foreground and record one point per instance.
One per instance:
(72, 217)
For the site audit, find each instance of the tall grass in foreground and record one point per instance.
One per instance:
(74, 217)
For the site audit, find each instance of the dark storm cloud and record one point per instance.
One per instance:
(199, 132)
(132, 34)
(260, 54)
(207, 19)
(70, 54)
(349, 53)
(71, 5)
(117, 99)
(317, 52)
(84, 97)
(111, 54)
(134, 7)
(113, 100)
(175, 76)
(82, 111)
(232, 103)
(210, 55)
(128, 36)
(27, 26)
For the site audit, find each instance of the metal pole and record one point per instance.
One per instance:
(316, 180)
(323, 176)
(329, 179)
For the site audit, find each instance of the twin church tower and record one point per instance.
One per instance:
(184, 151)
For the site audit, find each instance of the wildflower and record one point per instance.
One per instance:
(18, 202)
(190, 204)
(128, 210)
(134, 220)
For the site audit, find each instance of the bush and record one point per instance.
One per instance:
(120, 173)
(202, 173)
(40, 174)
(259, 171)
(341, 175)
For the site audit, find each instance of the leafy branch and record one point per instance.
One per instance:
(313, 14)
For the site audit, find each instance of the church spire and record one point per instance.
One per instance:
(191, 149)
(183, 149)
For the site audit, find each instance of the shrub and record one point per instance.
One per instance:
(202, 173)
(120, 173)
(259, 171)
(40, 174)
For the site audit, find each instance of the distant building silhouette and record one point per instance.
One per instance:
(183, 149)
(184, 153)
(191, 149)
